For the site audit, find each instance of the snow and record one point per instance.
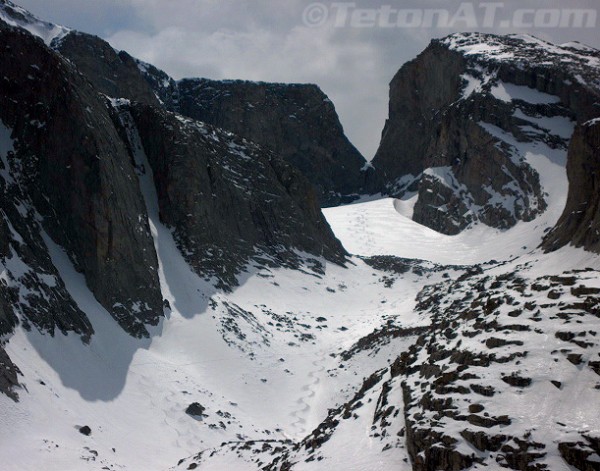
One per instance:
(522, 49)
(592, 122)
(120, 386)
(264, 360)
(508, 92)
(560, 126)
(16, 16)
(473, 85)
(579, 46)
(385, 227)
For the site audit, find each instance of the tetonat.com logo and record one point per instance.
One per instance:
(466, 15)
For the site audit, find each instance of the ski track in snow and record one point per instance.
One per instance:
(309, 391)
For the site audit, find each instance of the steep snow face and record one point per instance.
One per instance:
(17, 16)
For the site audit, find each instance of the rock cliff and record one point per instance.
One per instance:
(461, 110)
(296, 121)
(579, 224)
(69, 181)
(229, 200)
(83, 187)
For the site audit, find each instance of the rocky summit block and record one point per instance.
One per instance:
(295, 121)
(460, 115)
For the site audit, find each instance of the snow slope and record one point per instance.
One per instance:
(290, 357)
(266, 362)
(258, 360)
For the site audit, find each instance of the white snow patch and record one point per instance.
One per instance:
(17, 16)
(508, 92)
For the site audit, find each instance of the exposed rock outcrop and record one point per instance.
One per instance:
(114, 73)
(228, 199)
(71, 164)
(459, 112)
(9, 376)
(580, 222)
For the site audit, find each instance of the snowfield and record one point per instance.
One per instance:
(265, 363)
(477, 345)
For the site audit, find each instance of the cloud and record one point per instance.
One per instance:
(267, 40)
(255, 52)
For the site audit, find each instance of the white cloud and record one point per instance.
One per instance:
(296, 55)
(266, 40)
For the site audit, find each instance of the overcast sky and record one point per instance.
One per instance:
(352, 55)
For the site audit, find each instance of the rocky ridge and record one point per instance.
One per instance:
(456, 112)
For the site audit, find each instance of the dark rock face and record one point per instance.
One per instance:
(113, 73)
(580, 454)
(165, 88)
(9, 373)
(297, 122)
(580, 221)
(68, 181)
(71, 164)
(228, 199)
(72, 175)
(196, 410)
(450, 135)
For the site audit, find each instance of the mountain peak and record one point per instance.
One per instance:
(18, 17)
(523, 49)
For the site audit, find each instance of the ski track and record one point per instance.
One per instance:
(309, 392)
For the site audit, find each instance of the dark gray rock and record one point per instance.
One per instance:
(229, 200)
(165, 88)
(196, 410)
(9, 373)
(580, 222)
(580, 454)
(436, 143)
(72, 166)
(295, 121)
(113, 73)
